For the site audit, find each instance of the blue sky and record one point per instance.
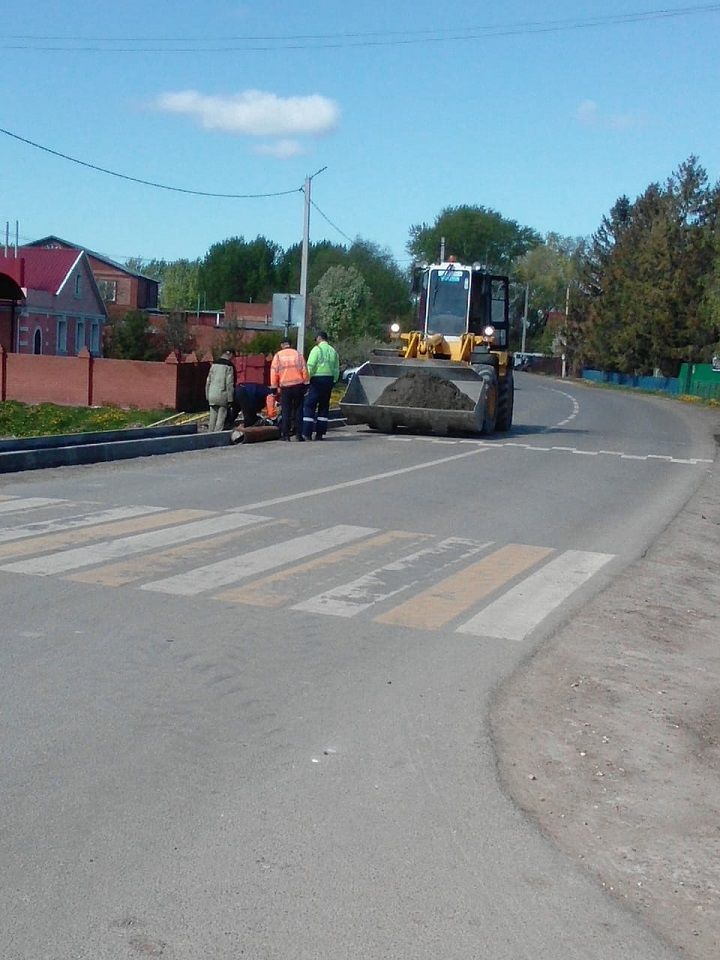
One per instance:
(523, 107)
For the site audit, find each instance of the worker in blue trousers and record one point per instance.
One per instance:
(323, 366)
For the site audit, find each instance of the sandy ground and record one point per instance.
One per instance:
(609, 737)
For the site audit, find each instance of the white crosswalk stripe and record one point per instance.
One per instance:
(78, 557)
(247, 565)
(75, 523)
(349, 599)
(521, 609)
(28, 503)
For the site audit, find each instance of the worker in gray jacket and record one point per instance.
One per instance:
(219, 390)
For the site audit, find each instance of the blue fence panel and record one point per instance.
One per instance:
(664, 384)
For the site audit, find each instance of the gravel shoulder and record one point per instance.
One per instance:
(609, 735)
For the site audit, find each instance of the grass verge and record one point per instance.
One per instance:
(43, 419)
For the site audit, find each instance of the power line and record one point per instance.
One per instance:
(333, 225)
(345, 40)
(148, 183)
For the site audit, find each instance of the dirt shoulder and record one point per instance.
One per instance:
(609, 736)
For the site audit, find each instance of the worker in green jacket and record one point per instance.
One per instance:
(323, 367)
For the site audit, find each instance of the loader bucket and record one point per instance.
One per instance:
(426, 396)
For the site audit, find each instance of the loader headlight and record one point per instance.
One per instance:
(488, 331)
(394, 328)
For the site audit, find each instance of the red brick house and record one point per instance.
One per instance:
(59, 309)
(121, 289)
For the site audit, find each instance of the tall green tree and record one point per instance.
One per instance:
(546, 271)
(387, 282)
(473, 234)
(342, 304)
(238, 270)
(179, 285)
(645, 277)
(132, 338)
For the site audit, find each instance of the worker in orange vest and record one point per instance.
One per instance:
(288, 373)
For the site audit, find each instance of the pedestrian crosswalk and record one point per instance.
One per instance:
(397, 578)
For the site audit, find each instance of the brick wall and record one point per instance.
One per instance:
(134, 383)
(38, 379)
(88, 381)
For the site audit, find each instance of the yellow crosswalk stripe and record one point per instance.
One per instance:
(56, 541)
(153, 564)
(446, 599)
(256, 594)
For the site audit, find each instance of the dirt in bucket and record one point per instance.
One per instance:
(419, 389)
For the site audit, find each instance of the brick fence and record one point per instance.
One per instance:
(84, 380)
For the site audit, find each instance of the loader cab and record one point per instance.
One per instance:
(454, 299)
(444, 300)
(489, 306)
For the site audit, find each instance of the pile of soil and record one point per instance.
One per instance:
(419, 389)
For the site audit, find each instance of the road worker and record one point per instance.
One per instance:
(324, 371)
(219, 389)
(288, 373)
(250, 398)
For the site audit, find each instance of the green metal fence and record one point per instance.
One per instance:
(701, 380)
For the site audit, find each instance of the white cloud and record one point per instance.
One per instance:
(255, 113)
(589, 115)
(284, 149)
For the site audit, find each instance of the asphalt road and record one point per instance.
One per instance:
(244, 691)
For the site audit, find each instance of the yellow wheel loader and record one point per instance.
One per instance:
(452, 374)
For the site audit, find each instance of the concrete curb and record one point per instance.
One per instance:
(74, 455)
(98, 436)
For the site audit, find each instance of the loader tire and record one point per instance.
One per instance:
(491, 399)
(506, 402)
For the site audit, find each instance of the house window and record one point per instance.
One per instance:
(77, 284)
(95, 338)
(108, 290)
(79, 335)
(62, 336)
(37, 341)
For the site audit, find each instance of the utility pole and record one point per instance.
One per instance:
(304, 262)
(524, 322)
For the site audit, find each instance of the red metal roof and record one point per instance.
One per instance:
(47, 269)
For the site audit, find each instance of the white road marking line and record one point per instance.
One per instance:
(76, 522)
(497, 444)
(235, 569)
(575, 408)
(318, 491)
(351, 598)
(516, 613)
(127, 546)
(29, 503)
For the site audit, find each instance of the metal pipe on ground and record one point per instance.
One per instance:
(254, 434)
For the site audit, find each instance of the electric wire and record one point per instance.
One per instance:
(333, 225)
(149, 183)
(347, 40)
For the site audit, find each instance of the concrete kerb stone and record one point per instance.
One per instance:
(99, 436)
(15, 461)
